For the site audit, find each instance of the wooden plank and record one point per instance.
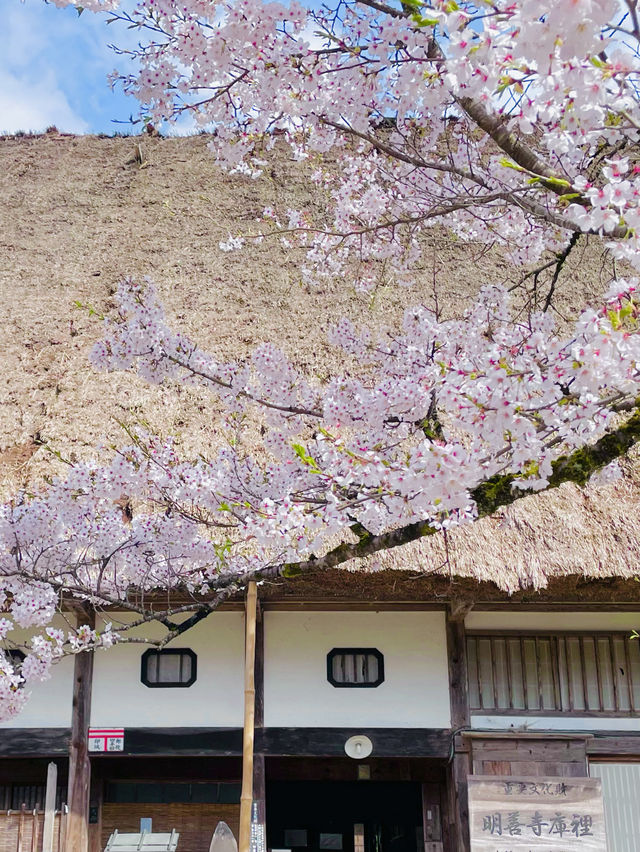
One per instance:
(62, 828)
(536, 813)
(20, 842)
(554, 651)
(614, 673)
(570, 751)
(627, 658)
(615, 744)
(496, 767)
(35, 825)
(34, 742)
(79, 765)
(210, 742)
(329, 742)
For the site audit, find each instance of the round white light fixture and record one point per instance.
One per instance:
(358, 747)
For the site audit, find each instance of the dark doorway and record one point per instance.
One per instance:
(344, 816)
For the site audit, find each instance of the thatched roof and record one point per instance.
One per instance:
(80, 213)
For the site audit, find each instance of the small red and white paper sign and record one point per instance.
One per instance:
(106, 739)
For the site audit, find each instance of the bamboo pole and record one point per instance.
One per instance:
(246, 796)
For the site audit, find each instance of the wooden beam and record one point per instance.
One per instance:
(79, 766)
(619, 744)
(34, 742)
(246, 796)
(329, 742)
(227, 742)
(460, 719)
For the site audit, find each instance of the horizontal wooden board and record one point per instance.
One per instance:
(329, 742)
(214, 742)
(615, 744)
(34, 742)
(316, 742)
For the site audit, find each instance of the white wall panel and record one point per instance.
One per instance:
(214, 700)
(415, 692)
(50, 702)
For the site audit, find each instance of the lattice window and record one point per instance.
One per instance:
(596, 673)
(169, 667)
(355, 667)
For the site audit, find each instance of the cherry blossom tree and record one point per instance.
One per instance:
(512, 122)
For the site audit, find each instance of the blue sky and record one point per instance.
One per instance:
(53, 70)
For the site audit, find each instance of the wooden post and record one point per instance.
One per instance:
(259, 797)
(460, 718)
(19, 846)
(49, 808)
(76, 839)
(96, 801)
(34, 829)
(246, 796)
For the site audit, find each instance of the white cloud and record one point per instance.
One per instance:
(54, 66)
(34, 104)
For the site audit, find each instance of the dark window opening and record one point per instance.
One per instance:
(172, 792)
(170, 667)
(355, 667)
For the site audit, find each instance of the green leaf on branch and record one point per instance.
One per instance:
(305, 458)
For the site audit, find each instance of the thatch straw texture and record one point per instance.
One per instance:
(78, 214)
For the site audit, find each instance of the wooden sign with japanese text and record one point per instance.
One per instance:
(509, 814)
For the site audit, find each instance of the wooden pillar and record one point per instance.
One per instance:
(258, 822)
(95, 805)
(246, 796)
(460, 719)
(79, 766)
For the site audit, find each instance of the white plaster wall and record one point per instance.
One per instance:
(560, 621)
(214, 700)
(50, 702)
(415, 692)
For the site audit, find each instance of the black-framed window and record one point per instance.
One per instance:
(169, 667)
(355, 667)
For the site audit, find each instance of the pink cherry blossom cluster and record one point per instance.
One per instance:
(500, 120)
(410, 111)
(446, 405)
